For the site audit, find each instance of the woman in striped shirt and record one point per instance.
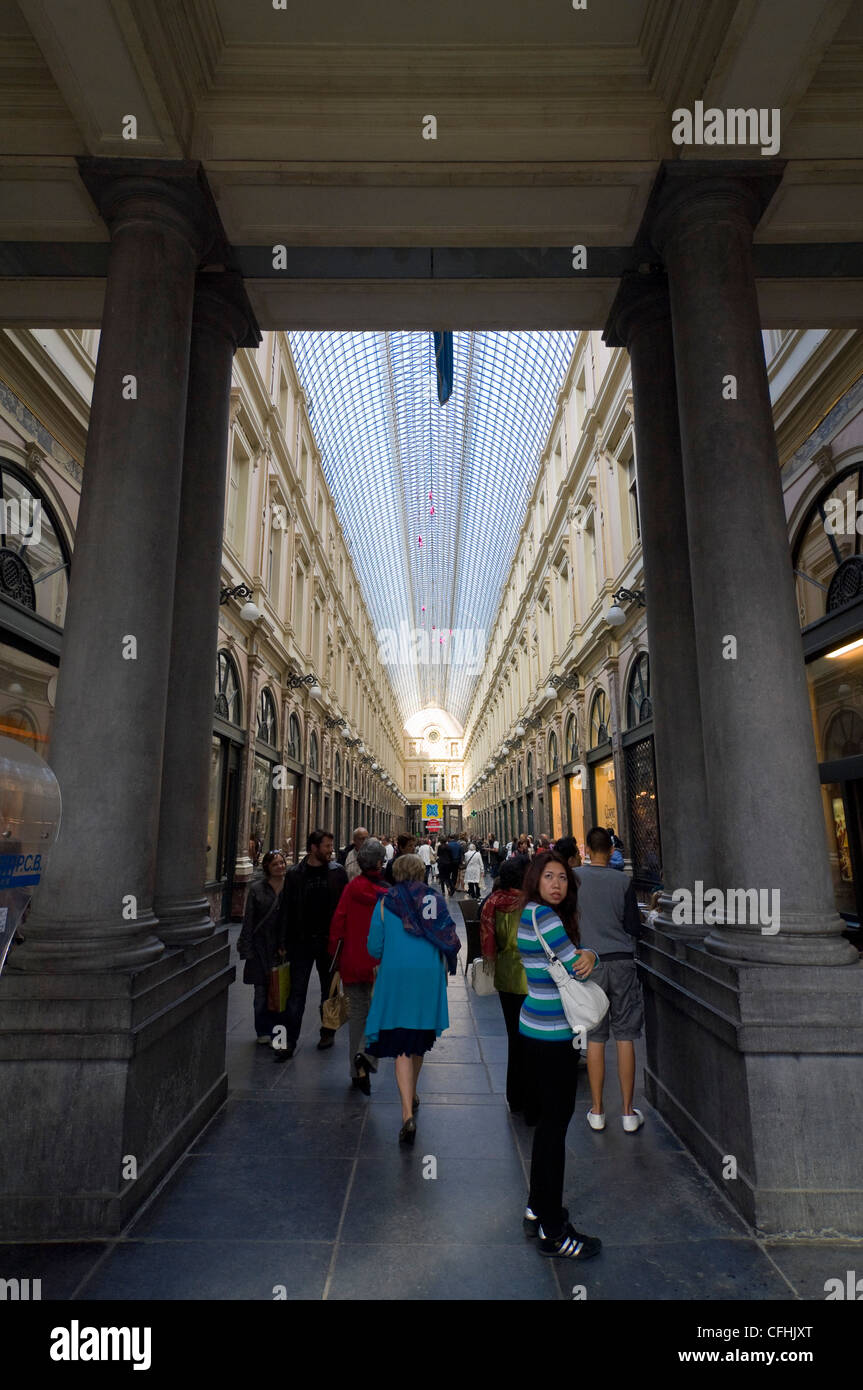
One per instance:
(550, 906)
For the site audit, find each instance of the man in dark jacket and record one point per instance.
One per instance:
(405, 844)
(309, 899)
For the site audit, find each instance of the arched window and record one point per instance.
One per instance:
(313, 752)
(826, 556)
(228, 703)
(267, 731)
(599, 720)
(337, 770)
(295, 739)
(356, 780)
(20, 724)
(553, 758)
(571, 739)
(844, 736)
(34, 557)
(638, 703)
(511, 781)
(530, 769)
(518, 782)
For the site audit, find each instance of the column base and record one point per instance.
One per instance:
(101, 1069)
(803, 939)
(65, 946)
(756, 1068)
(665, 922)
(182, 924)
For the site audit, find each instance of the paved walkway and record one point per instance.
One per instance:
(299, 1181)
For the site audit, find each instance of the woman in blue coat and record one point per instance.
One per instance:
(415, 940)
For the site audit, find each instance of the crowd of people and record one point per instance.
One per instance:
(375, 914)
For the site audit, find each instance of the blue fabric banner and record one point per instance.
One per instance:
(443, 355)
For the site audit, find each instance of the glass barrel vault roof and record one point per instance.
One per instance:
(390, 453)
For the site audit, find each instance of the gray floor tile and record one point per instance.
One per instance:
(718, 1269)
(446, 1076)
(217, 1269)
(454, 1131)
(808, 1266)
(266, 1127)
(396, 1205)
(462, 1272)
(59, 1266)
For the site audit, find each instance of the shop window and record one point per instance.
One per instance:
(295, 739)
(530, 769)
(228, 702)
(34, 557)
(828, 565)
(600, 731)
(337, 770)
(313, 753)
(553, 757)
(571, 739)
(639, 706)
(267, 719)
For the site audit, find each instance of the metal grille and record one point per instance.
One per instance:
(644, 843)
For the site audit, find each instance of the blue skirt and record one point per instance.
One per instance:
(402, 1042)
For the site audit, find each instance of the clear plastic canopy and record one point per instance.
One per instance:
(431, 498)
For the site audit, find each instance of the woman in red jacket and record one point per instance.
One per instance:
(350, 927)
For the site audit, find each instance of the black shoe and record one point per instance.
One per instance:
(570, 1244)
(530, 1222)
(416, 1104)
(328, 1037)
(284, 1054)
(362, 1081)
(408, 1131)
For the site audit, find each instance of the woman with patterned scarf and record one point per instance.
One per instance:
(499, 941)
(415, 940)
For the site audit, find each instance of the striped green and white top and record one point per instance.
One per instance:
(542, 1013)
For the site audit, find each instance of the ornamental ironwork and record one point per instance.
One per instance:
(845, 586)
(16, 581)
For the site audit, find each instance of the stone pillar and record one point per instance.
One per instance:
(220, 324)
(94, 908)
(641, 321)
(765, 805)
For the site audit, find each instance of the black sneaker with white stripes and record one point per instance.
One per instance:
(570, 1244)
(530, 1223)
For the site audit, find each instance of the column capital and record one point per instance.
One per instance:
(165, 193)
(222, 306)
(641, 303)
(689, 195)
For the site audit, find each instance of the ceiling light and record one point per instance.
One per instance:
(843, 651)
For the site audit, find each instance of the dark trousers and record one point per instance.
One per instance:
(518, 1094)
(303, 960)
(265, 1019)
(473, 890)
(552, 1069)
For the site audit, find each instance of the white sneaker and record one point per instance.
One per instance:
(596, 1121)
(632, 1122)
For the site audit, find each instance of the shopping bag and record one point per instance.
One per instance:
(481, 975)
(279, 988)
(336, 1008)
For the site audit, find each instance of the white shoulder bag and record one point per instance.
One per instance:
(481, 975)
(584, 1002)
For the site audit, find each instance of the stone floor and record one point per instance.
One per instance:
(299, 1181)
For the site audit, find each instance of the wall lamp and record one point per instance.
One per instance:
(311, 680)
(335, 723)
(250, 612)
(616, 615)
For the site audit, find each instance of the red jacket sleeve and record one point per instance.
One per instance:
(487, 938)
(338, 924)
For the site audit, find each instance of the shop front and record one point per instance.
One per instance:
(228, 742)
(601, 764)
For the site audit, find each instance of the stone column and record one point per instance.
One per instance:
(220, 324)
(762, 780)
(94, 908)
(244, 869)
(641, 321)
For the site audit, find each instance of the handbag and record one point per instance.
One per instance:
(481, 972)
(336, 1008)
(584, 1002)
(278, 988)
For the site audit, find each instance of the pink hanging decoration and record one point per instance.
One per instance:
(441, 641)
(430, 497)
(432, 512)
(424, 608)
(419, 540)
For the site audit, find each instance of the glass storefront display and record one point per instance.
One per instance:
(217, 763)
(290, 813)
(836, 701)
(262, 810)
(605, 796)
(576, 810)
(556, 818)
(27, 686)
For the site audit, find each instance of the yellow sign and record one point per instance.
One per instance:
(431, 810)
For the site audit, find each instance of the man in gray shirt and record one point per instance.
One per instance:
(610, 920)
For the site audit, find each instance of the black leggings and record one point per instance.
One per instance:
(552, 1070)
